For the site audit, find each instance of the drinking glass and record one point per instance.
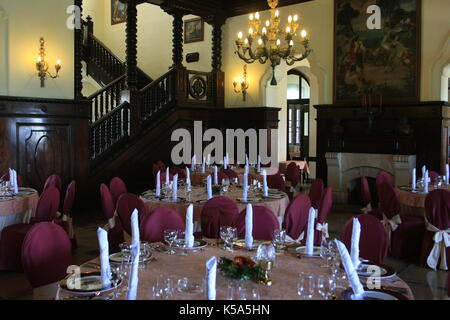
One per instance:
(232, 238)
(191, 285)
(306, 286)
(225, 185)
(279, 240)
(163, 288)
(265, 252)
(224, 236)
(170, 236)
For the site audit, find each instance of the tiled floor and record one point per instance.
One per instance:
(425, 283)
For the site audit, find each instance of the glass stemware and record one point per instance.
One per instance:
(225, 185)
(279, 240)
(305, 286)
(163, 288)
(224, 236)
(170, 236)
(231, 238)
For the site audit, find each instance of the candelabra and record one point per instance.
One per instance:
(42, 66)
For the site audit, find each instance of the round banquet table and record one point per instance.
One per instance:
(199, 198)
(18, 209)
(413, 203)
(198, 178)
(285, 274)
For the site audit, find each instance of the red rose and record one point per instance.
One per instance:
(241, 261)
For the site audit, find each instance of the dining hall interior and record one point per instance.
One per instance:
(224, 150)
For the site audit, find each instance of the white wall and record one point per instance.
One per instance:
(28, 21)
(4, 54)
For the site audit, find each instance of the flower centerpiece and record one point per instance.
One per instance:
(240, 268)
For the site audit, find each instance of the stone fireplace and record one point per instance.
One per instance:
(345, 167)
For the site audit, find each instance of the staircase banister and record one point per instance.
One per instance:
(110, 114)
(156, 81)
(105, 88)
(105, 48)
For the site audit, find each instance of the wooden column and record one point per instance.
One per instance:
(217, 86)
(78, 75)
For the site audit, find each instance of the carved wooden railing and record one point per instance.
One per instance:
(112, 130)
(102, 64)
(107, 99)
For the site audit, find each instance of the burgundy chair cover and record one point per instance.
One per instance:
(296, 217)
(5, 177)
(230, 173)
(117, 188)
(221, 175)
(374, 241)
(46, 254)
(437, 211)
(383, 177)
(448, 285)
(324, 209)
(53, 181)
(218, 212)
(175, 170)
(153, 225)
(315, 193)
(125, 207)
(365, 192)
(406, 240)
(264, 223)
(276, 181)
(433, 175)
(158, 166)
(70, 198)
(13, 236)
(293, 174)
(115, 235)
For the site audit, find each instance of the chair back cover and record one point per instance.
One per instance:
(69, 198)
(125, 207)
(315, 193)
(325, 205)
(276, 181)
(153, 225)
(264, 223)
(383, 177)
(221, 175)
(374, 240)
(53, 181)
(108, 205)
(46, 254)
(47, 205)
(433, 175)
(218, 212)
(158, 166)
(175, 170)
(293, 174)
(365, 191)
(230, 173)
(389, 202)
(5, 177)
(117, 188)
(437, 213)
(296, 216)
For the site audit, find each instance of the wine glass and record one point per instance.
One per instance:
(305, 286)
(225, 185)
(224, 236)
(232, 238)
(279, 240)
(170, 236)
(163, 288)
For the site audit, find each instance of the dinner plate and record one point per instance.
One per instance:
(119, 257)
(385, 271)
(198, 244)
(256, 243)
(151, 196)
(89, 283)
(381, 294)
(274, 196)
(302, 251)
(171, 200)
(250, 200)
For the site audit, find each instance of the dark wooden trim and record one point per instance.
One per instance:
(131, 46)
(238, 7)
(78, 46)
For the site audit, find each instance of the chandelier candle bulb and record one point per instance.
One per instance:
(251, 17)
(295, 18)
(264, 30)
(291, 43)
(257, 16)
(278, 42)
(250, 31)
(288, 29)
(277, 13)
(240, 35)
(303, 34)
(260, 42)
(267, 23)
(290, 19)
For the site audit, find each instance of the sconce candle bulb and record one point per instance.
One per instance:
(243, 83)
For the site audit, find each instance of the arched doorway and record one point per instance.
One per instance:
(298, 105)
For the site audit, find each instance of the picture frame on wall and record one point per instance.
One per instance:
(118, 12)
(382, 61)
(194, 30)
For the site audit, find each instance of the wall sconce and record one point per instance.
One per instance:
(42, 66)
(243, 83)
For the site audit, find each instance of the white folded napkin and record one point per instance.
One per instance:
(447, 174)
(167, 176)
(245, 187)
(134, 275)
(158, 184)
(211, 270)
(249, 227)
(209, 187)
(189, 232)
(225, 164)
(208, 159)
(352, 275)
(105, 268)
(356, 235)
(265, 187)
(203, 166)
(175, 187)
(259, 163)
(246, 169)
(424, 169)
(16, 184)
(310, 232)
(193, 161)
(188, 178)
(246, 160)
(135, 236)
(216, 176)
(414, 179)
(426, 182)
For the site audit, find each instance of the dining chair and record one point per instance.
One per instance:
(176, 170)
(437, 214)
(230, 173)
(324, 208)
(296, 216)
(264, 223)
(117, 188)
(65, 221)
(218, 212)
(315, 192)
(433, 175)
(46, 255)
(126, 204)
(153, 225)
(276, 181)
(293, 174)
(158, 166)
(374, 239)
(53, 181)
(114, 226)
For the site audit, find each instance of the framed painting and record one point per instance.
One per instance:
(377, 47)
(194, 30)
(118, 12)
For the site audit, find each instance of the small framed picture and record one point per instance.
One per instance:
(118, 12)
(194, 30)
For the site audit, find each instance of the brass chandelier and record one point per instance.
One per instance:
(269, 40)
